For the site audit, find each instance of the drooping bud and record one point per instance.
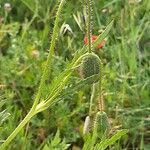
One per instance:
(91, 66)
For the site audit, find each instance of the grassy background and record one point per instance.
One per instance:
(24, 42)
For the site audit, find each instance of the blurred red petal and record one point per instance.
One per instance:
(94, 37)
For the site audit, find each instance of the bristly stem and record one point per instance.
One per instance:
(89, 24)
(92, 98)
(101, 103)
(51, 52)
(47, 67)
(100, 100)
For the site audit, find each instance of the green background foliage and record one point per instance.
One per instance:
(25, 33)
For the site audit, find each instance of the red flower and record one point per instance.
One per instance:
(94, 37)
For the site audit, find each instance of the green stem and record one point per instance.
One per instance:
(5, 18)
(92, 98)
(51, 52)
(47, 67)
(17, 130)
(100, 101)
(89, 27)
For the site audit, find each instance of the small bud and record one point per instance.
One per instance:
(7, 7)
(35, 54)
(87, 124)
(65, 28)
(101, 125)
(104, 10)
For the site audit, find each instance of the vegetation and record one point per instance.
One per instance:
(86, 89)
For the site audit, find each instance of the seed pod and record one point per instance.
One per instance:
(101, 125)
(91, 66)
(87, 125)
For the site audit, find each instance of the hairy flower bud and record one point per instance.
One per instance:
(91, 66)
(101, 124)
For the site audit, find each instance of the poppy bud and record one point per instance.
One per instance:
(87, 124)
(91, 66)
(101, 125)
(7, 7)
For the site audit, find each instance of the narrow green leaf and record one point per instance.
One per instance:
(104, 144)
(79, 85)
(104, 34)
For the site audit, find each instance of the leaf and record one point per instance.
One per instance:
(2, 102)
(57, 143)
(79, 85)
(104, 34)
(3, 116)
(46, 147)
(67, 72)
(89, 143)
(104, 144)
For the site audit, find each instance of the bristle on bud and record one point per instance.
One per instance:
(101, 125)
(91, 66)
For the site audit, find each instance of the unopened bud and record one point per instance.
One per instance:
(7, 7)
(87, 125)
(91, 66)
(35, 54)
(101, 125)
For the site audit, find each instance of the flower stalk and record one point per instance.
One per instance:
(47, 67)
(89, 25)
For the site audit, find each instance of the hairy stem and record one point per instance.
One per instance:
(89, 26)
(51, 52)
(100, 100)
(92, 98)
(17, 130)
(47, 67)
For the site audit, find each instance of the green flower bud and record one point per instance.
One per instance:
(101, 125)
(91, 66)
